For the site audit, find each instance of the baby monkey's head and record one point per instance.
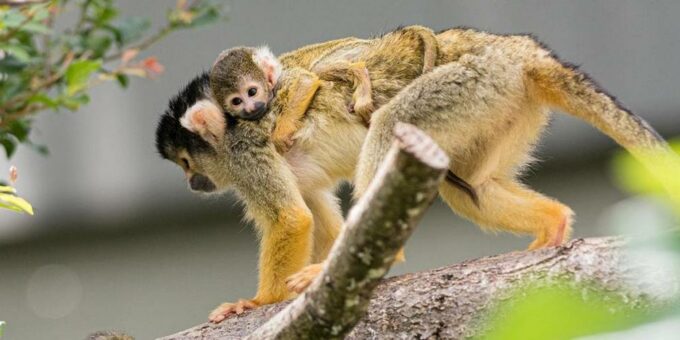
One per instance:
(242, 81)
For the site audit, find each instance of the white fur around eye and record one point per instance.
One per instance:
(264, 57)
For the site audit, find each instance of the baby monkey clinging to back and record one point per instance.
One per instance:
(243, 79)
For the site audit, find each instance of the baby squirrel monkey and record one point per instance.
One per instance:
(243, 79)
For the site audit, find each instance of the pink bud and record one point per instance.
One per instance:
(13, 174)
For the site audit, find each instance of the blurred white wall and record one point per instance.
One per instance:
(103, 163)
(151, 258)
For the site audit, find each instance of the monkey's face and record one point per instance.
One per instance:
(191, 134)
(251, 99)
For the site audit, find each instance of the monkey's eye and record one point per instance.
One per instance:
(252, 91)
(185, 162)
(236, 101)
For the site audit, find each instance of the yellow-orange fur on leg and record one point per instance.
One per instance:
(285, 248)
(508, 206)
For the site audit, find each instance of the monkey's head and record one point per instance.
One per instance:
(242, 80)
(191, 133)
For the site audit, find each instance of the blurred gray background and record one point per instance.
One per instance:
(118, 242)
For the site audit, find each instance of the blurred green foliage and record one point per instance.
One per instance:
(562, 312)
(42, 68)
(9, 200)
(660, 180)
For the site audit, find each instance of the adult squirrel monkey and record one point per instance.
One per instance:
(485, 105)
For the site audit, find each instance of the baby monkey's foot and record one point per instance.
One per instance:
(226, 309)
(299, 281)
(284, 144)
(363, 106)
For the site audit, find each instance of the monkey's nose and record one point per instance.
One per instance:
(259, 110)
(199, 182)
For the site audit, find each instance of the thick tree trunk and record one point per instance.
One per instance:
(451, 302)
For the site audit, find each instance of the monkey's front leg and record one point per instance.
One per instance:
(285, 223)
(285, 248)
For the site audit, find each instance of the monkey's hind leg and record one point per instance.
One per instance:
(509, 206)
(356, 73)
(300, 94)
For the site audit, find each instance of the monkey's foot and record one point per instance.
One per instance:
(283, 145)
(299, 281)
(553, 237)
(226, 309)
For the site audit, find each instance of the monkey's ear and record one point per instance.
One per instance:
(205, 119)
(268, 63)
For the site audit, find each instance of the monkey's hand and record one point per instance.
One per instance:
(299, 281)
(226, 309)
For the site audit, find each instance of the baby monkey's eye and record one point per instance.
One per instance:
(185, 162)
(252, 91)
(236, 101)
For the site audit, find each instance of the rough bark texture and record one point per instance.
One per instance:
(451, 302)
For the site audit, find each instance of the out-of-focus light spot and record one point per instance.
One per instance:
(54, 291)
(660, 330)
(638, 215)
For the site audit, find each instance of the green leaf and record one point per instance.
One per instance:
(564, 313)
(12, 202)
(39, 148)
(35, 27)
(45, 100)
(78, 74)
(98, 43)
(633, 176)
(104, 14)
(13, 18)
(74, 102)
(17, 51)
(123, 80)
(20, 128)
(7, 189)
(11, 66)
(206, 17)
(2, 328)
(8, 143)
(130, 29)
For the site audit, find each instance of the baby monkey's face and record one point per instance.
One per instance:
(250, 100)
(242, 81)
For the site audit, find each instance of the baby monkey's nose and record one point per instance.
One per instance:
(259, 109)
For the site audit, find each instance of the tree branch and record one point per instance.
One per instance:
(452, 302)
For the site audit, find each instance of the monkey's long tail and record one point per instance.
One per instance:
(574, 93)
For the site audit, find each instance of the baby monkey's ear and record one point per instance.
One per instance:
(268, 63)
(205, 119)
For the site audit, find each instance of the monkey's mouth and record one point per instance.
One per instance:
(257, 115)
(200, 183)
